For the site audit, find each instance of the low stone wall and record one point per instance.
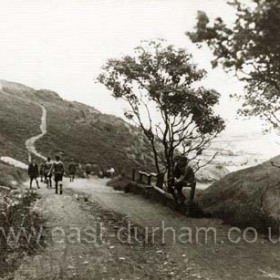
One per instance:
(155, 194)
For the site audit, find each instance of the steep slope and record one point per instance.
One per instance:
(19, 119)
(249, 197)
(74, 130)
(82, 133)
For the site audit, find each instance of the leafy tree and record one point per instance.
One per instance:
(158, 84)
(250, 48)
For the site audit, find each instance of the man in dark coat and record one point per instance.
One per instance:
(183, 177)
(58, 170)
(48, 173)
(42, 172)
(33, 172)
(88, 169)
(72, 168)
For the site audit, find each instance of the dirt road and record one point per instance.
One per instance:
(188, 256)
(71, 254)
(220, 259)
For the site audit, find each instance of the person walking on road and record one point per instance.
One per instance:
(58, 171)
(48, 173)
(88, 169)
(33, 172)
(72, 168)
(42, 172)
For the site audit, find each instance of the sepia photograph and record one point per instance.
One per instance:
(139, 139)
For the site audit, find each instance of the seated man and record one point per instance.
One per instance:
(183, 177)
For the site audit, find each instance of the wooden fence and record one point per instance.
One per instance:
(153, 181)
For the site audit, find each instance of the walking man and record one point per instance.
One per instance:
(72, 170)
(88, 170)
(58, 170)
(33, 172)
(42, 172)
(48, 173)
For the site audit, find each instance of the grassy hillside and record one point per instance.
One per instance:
(19, 119)
(75, 130)
(81, 132)
(249, 197)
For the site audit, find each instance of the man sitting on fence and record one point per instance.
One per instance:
(183, 177)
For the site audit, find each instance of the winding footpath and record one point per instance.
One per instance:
(30, 143)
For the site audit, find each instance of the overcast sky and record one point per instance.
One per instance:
(62, 44)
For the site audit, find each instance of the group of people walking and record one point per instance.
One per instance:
(55, 170)
(48, 170)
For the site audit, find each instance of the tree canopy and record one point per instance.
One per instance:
(161, 85)
(250, 48)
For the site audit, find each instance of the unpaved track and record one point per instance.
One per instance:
(30, 143)
(62, 259)
(216, 260)
(220, 259)
(81, 260)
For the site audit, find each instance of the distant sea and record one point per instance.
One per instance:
(241, 150)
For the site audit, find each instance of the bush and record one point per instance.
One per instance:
(10, 176)
(120, 183)
(16, 215)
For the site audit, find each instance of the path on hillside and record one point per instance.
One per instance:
(30, 143)
(70, 256)
(220, 259)
(196, 259)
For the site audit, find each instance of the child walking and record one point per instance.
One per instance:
(58, 170)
